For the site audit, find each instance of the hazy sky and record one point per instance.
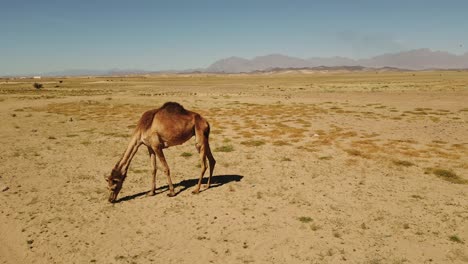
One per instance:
(42, 36)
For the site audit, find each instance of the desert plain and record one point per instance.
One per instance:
(312, 167)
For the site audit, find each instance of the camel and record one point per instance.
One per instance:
(160, 128)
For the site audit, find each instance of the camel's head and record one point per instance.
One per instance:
(115, 182)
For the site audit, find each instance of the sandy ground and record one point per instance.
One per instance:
(312, 172)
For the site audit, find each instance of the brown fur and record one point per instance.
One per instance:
(146, 120)
(160, 128)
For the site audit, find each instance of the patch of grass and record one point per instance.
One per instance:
(186, 154)
(356, 153)
(456, 239)
(71, 135)
(416, 196)
(403, 163)
(86, 142)
(285, 159)
(52, 137)
(305, 219)
(447, 175)
(225, 148)
(253, 143)
(281, 143)
(325, 158)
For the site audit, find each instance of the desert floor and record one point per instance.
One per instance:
(311, 168)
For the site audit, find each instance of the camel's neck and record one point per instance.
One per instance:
(124, 162)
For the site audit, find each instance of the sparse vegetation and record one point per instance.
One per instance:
(356, 153)
(327, 172)
(403, 163)
(456, 239)
(225, 148)
(253, 143)
(447, 175)
(186, 154)
(305, 219)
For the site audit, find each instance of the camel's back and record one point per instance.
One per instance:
(173, 108)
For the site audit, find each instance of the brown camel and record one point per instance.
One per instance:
(158, 129)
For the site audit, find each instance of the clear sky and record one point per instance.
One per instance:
(42, 36)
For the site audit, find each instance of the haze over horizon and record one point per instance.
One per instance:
(49, 36)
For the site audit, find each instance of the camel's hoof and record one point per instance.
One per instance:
(151, 193)
(171, 194)
(195, 191)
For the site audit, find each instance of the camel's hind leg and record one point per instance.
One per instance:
(162, 159)
(212, 162)
(202, 133)
(202, 150)
(154, 170)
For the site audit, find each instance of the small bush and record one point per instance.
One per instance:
(38, 85)
(456, 239)
(305, 219)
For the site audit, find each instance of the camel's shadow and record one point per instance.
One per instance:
(216, 181)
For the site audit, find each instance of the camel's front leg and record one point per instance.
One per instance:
(162, 159)
(154, 170)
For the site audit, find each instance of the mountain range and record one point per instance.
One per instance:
(418, 59)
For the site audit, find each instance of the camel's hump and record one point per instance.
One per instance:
(173, 108)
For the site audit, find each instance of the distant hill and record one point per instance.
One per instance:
(420, 59)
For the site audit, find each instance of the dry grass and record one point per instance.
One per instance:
(447, 175)
(403, 163)
(225, 148)
(253, 143)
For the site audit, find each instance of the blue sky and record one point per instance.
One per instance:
(43, 36)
